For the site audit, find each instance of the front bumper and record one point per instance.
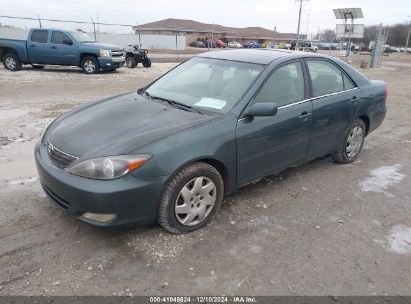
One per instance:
(110, 63)
(133, 200)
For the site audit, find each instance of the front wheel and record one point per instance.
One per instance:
(90, 65)
(147, 63)
(12, 62)
(131, 62)
(191, 198)
(349, 149)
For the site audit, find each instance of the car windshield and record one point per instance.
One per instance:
(81, 37)
(210, 84)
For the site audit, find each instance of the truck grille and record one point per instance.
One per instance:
(117, 53)
(60, 158)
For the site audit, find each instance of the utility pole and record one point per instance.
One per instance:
(308, 22)
(408, 36)
(299, 23)
(275, 29)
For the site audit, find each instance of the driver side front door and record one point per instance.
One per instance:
(270, 144)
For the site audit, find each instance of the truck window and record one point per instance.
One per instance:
(39, 36)
(59, 38)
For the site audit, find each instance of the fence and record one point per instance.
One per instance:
(167, 42)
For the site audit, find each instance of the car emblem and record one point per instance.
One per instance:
(50, 148)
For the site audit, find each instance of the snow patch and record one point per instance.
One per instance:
(400, 239)
(381, 178)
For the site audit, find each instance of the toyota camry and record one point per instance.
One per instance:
(171, 151)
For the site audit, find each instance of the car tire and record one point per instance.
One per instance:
(204, 190)
(147, 63)
(131, 62)
(349, 149)
(37, 66)
(12, 62)
(90, 65)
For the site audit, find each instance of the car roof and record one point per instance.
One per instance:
(258, 56)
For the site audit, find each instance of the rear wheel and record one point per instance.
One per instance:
(351, 146)
(147, 63)
(191, 198)
(90, 65)
(12, 62)
(131, 62)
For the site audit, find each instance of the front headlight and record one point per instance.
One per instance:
(109, 167)
(105, 53)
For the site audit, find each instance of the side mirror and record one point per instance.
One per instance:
(68, 42)
(262, 109)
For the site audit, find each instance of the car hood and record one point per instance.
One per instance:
(106, 46)
(119, 125)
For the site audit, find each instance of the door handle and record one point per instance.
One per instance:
(32, 45)
(304, 114)
(53, 47)
(354, 99)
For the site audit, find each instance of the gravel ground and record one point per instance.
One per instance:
(319, 229)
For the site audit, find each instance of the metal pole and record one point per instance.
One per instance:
(408, 36)
(94, 26)
(275, 29)
(139, 36)
(39, 20)
(176, 45)
(347, 54)
(308, 22)
(298, 27)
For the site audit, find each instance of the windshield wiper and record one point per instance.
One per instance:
(180, 105)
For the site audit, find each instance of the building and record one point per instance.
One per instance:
(194, 30)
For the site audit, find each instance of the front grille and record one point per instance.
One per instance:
(51, 195)
(117, 53)
(60, 158)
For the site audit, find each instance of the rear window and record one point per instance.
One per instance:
(39, 36)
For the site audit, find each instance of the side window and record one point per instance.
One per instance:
(39, 36)
(285, 86)
(348, 84)
(59, 38)
(326, 78)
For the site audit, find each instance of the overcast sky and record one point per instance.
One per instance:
(317, 14)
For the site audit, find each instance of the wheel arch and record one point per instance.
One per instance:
(6, 50)
(366, 121)
(83, 55)
(217, 164)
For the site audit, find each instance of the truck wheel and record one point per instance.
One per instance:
(191, 198)
(37, 66)
(147, 63)
(12, 62)
(90, 65)
(349, 149)
(131, 62)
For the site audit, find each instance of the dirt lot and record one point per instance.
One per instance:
(320, 229)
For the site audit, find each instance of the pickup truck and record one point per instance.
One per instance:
(58, 47)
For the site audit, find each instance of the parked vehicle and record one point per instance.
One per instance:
(252, 45)
(135, 55)
(182, 143)
(58, 47)
(235, 45)
(197, 44)
(211, 44)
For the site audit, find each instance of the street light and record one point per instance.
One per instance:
(408, 36)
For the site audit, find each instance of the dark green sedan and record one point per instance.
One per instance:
(172, 150)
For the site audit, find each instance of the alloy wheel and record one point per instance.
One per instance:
(354, 142)
(89, 66)
(11, 63)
